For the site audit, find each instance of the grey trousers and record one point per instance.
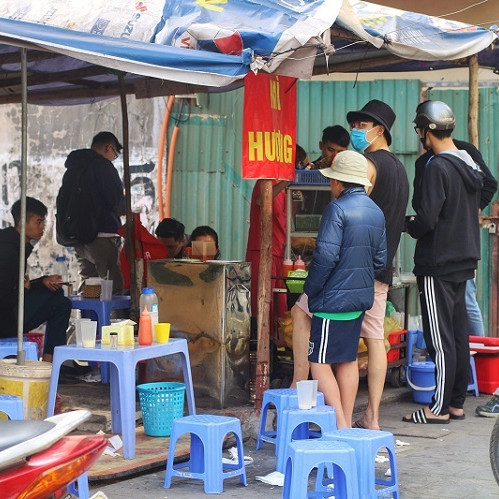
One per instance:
(98, 258)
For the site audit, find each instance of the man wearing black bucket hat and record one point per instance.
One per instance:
(370, 135)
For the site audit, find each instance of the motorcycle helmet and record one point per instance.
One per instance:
(435, 115)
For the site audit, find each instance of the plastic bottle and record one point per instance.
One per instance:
(299, 264)
(149, 299)
(145, 328)
(61, 268)
(287, 266)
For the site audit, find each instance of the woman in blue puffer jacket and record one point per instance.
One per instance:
(350, 252)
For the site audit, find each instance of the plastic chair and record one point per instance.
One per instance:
(297, 419)
(8, 346)
(82, 490)
(205, 461)
(473, 382)
(12, 406)
(281, 398)
(304, 455)
(366, 444)
(102, 310)
(123, 362)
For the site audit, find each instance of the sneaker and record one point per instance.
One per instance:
(490, 409)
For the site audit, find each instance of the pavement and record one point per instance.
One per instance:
(434, 461)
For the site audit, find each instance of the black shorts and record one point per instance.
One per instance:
(334, 341)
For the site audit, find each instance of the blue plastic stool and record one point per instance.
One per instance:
(82, 491)
(123, 362)
(12, 406)
(366, 444)
(304, 455)
(8, 346)
(473, 383)
(281, 398)
(205, 461)
(294, 419)
(102, 310)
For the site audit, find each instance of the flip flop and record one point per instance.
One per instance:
(419, 417)
(358, 424)
(456, 416)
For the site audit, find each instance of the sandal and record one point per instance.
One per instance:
(419, 417)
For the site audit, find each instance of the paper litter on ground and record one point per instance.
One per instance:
(400, 443)
(234, 457)
(274, 478)
(116, 444)
(381, 459)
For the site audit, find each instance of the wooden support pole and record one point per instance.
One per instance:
(264, 295)
(129, 232)
(473, 100)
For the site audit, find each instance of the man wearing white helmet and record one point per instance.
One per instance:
(447, 251)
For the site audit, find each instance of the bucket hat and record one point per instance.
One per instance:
(379, 111)
(348, 166)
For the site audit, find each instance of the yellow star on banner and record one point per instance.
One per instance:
(212, 4)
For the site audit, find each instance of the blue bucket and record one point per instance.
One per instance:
(421, 378)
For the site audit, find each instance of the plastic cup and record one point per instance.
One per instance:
(315, 383)
(78, 330)
(162, 332)
(305, 392)
(88, 333)
(106, 290)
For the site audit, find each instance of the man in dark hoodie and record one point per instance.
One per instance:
(447, 251)
(44, 299)
(93, 171)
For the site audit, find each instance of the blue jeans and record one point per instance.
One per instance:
(475, 321)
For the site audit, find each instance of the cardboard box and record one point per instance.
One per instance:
(486, 362)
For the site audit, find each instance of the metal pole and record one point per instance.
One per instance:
(129, 229)
(21, 356)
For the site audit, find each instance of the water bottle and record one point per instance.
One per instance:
(61, 268)
(149, 300)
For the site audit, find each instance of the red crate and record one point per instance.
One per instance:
(394, 339)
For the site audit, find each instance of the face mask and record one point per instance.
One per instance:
(359, 140)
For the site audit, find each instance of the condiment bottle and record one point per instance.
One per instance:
(299, 264)
(145, 328)
(287, 266)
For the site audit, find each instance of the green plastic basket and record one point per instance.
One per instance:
(296, 285)
(160, 404)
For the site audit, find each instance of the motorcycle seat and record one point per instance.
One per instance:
(16, 432)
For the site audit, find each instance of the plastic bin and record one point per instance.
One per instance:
(486, 362)
(160, 404)
(296, 285)
(37, 338)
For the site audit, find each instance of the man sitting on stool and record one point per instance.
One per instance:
(44, 300)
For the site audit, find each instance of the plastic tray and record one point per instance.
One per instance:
(310, 177)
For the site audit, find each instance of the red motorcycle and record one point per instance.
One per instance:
(38, 459)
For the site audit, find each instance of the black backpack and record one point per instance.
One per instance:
(77, 208)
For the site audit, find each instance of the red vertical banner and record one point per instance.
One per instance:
(269, 126)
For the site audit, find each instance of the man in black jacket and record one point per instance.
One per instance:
(93, 172)
(44, 299)
(446, 227)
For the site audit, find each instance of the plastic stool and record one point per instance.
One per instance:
(282, 398)
(12, 406)
(304, 455)
(83, 492)
(8, 346)
(473, 383)
(205, 461)
(103, 310)
(366, 444)
(291, 419)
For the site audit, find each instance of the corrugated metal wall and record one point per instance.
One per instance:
(488, 145)
(207, 184)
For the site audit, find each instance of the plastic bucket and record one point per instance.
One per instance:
(160, 404)
(29, 382)
(421, 378)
